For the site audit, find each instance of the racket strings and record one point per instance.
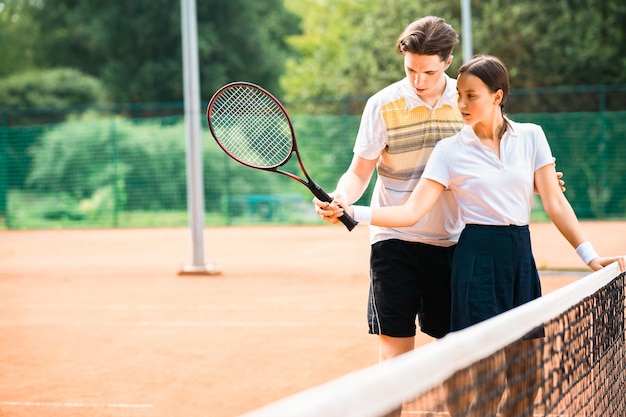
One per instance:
(252, 127)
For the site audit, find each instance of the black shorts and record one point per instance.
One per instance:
(409, 280)
(493, 271)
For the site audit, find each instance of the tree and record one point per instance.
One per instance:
(18, 36)
(565, 42)
(134, 47)
(348, 48)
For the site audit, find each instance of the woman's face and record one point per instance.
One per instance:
(425, 72)
(476, 101)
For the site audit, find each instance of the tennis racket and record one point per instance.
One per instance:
(254, 129)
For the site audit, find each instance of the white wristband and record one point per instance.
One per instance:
(586, 252)
(362, 214)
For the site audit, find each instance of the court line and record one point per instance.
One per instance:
(175, 324)
(71, 404)
(168, 307)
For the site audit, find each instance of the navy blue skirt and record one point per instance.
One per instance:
(493, 271)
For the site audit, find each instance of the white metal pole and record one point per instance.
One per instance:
(466, 23)
(195, 183)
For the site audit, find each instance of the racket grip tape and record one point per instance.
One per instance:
(346, 219)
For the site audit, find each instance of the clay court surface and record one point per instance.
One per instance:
(98, 323)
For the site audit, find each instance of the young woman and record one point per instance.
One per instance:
(491, 167)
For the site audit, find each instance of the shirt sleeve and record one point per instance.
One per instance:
(372, 136)
(543, 155)
(437, 166)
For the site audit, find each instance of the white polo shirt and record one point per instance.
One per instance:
(488, 189)
(400, 131)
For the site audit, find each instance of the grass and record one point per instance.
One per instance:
(40, 211)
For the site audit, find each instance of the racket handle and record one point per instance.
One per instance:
(346, 219)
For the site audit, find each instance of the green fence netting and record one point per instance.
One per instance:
(103, 168)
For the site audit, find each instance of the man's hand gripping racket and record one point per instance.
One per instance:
(254, 129)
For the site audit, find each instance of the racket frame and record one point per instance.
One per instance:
(317, 191)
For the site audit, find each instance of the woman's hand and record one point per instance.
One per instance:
(601, 262)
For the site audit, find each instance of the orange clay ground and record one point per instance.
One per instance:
(98, 323)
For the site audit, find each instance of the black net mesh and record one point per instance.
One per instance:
(561, 355)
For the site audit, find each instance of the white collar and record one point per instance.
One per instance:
(447, 98)
(468, 136)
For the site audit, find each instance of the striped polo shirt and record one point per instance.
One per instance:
(400, 131)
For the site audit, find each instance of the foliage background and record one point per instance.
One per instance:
(348, 47)
(91, 98)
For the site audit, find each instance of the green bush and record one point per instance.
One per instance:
(137, 165)
(51, 88)
(37, 98)
(57, 87)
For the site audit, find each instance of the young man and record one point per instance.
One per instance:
(410, 266)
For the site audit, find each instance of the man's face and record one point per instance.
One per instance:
(425, 72)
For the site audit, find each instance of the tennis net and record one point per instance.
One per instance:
(498, 367)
